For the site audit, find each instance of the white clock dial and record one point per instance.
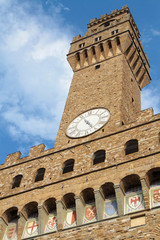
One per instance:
(88, 122)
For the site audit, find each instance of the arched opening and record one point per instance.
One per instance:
(40, 174)
(11, 218)
(70, 215)
(133, 193)
(110, 203)
(90, 213)
(51, 222)
(153, 179)
(17, 181)
(131, 146)
(30, 211)
(68, 166)
(99, 156)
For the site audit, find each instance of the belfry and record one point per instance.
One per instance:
(101, 180)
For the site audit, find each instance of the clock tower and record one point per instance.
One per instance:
(110, 69)
(101, 181)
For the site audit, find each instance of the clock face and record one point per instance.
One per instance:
(88, 122)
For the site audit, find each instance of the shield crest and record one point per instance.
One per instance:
(11, 232)
(90, 212)
(32, 227)
(156, 195)
(71, 217)
(135, 201)
(111, 207)
(51, 222)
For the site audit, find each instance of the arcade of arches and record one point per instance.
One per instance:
(91, 205)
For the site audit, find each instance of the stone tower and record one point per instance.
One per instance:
(102, 178)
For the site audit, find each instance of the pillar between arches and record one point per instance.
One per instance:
(120, 198)
(145, 190)
(61, 212)
(99, 201)
(79, 209)
(42, 218)
(3, 226)
(21, 224)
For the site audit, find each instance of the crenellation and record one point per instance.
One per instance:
(36, 150)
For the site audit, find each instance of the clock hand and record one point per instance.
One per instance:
(87, 122)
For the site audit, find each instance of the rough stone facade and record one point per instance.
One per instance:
(117, 197)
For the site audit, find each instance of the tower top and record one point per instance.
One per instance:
(107, 20)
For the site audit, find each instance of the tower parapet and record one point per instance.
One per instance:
(107, 37)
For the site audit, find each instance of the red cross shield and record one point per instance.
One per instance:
(32, 227)
(90, 212)
(156, 195)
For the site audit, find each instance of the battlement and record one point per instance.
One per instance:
(108, 20)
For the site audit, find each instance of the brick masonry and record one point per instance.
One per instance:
(115, 85)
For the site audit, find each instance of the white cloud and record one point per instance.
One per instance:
(150, 98)
(155, 32)
(34, 74)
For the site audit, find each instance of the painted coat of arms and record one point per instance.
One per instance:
(134, 203)
(155, 197)
(31, 228)
(110, 209)
(51, 224)
(90, 214)
(11, 232)
(70, 219)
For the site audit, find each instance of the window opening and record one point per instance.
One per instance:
(68, 166)
(99, 157)
(17, 181)
(131, 146)
(114, 32)
(97, 66)
(98, 39)
(81, 45)
(40, 174)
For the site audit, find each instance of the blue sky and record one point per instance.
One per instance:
(34, 74)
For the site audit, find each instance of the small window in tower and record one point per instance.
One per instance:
(17, 181)
(99, 157)
(40, 174)
(106, 24)
(97, 66)
(132, 99)
(81, 45)
(114, 32)
(97, 39)
(131, 146)
(68, 166)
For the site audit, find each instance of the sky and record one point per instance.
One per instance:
(35, 76)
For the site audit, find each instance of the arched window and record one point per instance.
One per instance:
(90, 213)
(68, 166)
(134, 201)
(30, 211)
(17, 181)
(70, 210)
(110, 203)
(51, 222)
(131, 146)
(153, 178)
(99, 157)
(11, 219)
(40, 174)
